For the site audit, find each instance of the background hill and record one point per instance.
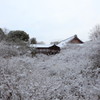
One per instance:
(73, 74)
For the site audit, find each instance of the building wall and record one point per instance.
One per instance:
(49, 51)
(76, 41)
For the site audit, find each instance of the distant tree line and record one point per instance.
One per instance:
(16, 36)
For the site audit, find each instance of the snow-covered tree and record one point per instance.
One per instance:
(18, 36)
(33, 41)
(2, 35)
(95, 33)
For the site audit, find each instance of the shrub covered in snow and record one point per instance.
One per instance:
(73, 74)
(7, 51)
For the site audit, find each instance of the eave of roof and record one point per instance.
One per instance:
(39, 45)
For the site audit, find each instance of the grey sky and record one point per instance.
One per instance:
(50, 20)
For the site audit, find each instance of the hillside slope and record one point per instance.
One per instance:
(73, 74)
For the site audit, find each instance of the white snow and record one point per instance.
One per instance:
(66, 41)
(69, 75)
(40, 45)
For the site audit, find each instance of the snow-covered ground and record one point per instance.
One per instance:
(73, 74)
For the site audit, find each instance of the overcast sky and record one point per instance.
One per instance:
(50, 20)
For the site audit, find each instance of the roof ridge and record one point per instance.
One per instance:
(68, 38)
